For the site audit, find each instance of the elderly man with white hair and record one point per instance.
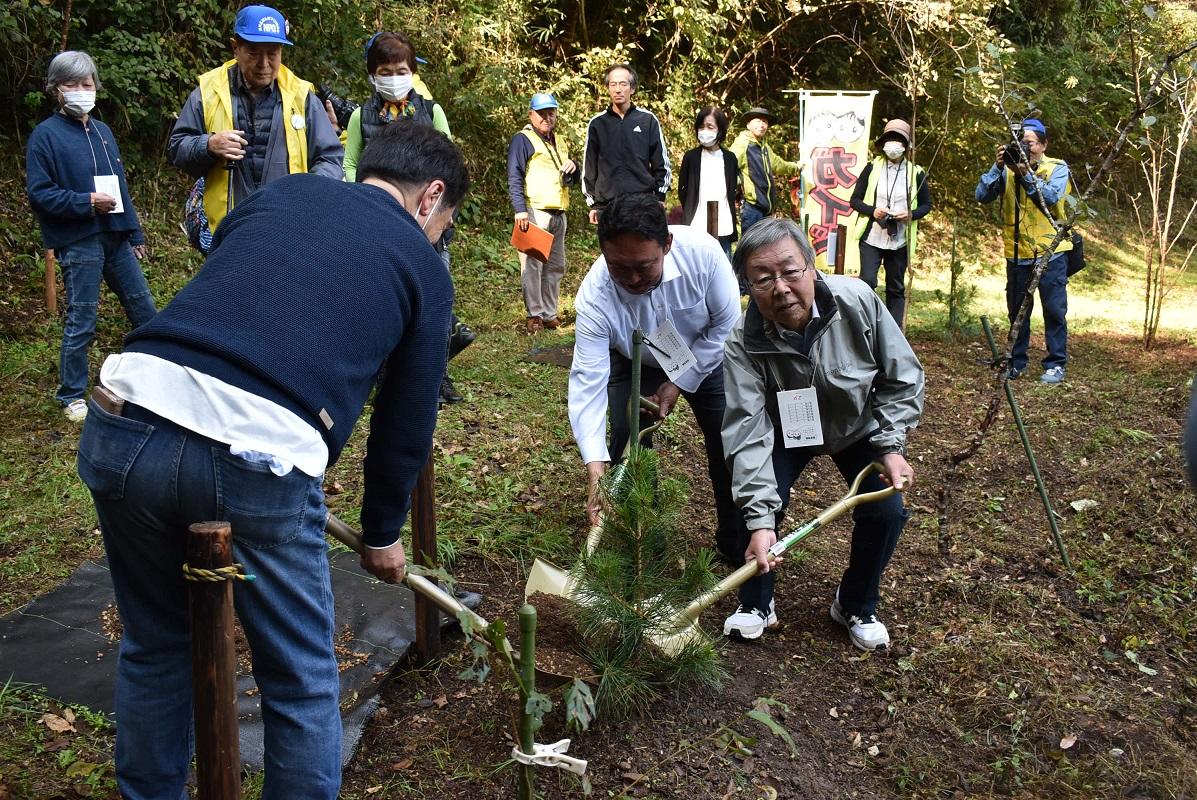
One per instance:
(76, 184)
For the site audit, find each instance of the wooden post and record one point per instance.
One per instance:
(423, 552)
(527, 615)
(51, 284)
(841, 246)
(214, 665)
(713, 218)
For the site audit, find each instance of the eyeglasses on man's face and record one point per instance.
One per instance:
(790, 277)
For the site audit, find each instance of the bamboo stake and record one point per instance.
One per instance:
(527, 683)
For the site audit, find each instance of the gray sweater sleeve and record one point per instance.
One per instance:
(326, 154)
(188, 146)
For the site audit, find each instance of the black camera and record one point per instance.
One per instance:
(890, 223)
(342, 109)
(1016, 153)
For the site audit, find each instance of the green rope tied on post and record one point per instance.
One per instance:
(229, 573)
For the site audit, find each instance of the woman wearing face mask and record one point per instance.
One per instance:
(398, 92)
(709, 172)
(887, 225)
(76, 185)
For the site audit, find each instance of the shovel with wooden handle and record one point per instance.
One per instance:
(673, 636)
(546, 577)
(418, 583)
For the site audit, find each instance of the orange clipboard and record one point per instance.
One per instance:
(536, 241)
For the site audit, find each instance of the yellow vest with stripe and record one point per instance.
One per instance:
(914, 174)
(1035, 231)
(218, 116)
(542, 175)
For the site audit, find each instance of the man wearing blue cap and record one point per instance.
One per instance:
(1033, 187)
(251, 120)
(539, 174)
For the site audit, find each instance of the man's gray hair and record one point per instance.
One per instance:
(70, 66)
(770, 231)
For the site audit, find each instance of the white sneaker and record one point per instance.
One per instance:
(867, 633)
(750, 623)
(76, 410)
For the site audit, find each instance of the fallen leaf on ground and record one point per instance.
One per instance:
(57, 724)
(1068, 741)
(1083, 505)
(399, 766)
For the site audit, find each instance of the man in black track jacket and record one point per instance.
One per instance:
(625, 152)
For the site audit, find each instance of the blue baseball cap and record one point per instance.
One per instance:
(1035, 125)
(261, 24)
(541, 101)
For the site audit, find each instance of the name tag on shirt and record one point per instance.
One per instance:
(800, 422)
(111, 186)
(672, 354)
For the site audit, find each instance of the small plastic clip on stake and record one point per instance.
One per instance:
(551, 755)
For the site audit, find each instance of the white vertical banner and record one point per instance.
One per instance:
(834, 133)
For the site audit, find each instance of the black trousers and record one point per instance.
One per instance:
(707, 403)
(895, 261)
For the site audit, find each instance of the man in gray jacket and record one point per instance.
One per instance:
(815, 365)
(251, 120)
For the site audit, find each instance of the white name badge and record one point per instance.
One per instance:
(800, 422)
(671, 352)
(111, 186)
(297, 121)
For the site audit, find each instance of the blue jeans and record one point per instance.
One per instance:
(83, 263)
(875, 531)
(750, 215)
(707, 402)
(1053, 291)
(150, 479)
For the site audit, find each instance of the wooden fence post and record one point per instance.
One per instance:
(841, 246)
(423, 553)
(214, 665)
(51, 284)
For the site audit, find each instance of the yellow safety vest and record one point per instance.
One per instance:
(542, 175)
(218, 116)
(914, 174)
(1035, 232)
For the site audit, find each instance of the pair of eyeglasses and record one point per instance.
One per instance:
(790, 276)
(619, 84)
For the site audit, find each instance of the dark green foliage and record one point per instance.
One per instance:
(632, 587)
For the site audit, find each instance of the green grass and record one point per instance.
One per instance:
(510, 487)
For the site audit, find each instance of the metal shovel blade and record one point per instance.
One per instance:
(547, 578)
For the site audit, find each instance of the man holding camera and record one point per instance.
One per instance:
(1033, 187)
(888, 223)
(251, 120)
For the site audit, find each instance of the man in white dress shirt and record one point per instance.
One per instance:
(676, 286)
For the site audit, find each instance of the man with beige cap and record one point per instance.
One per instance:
(887, 225)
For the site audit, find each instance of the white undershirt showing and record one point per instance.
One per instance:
(893, 192)
(712, 185)
(255, 428)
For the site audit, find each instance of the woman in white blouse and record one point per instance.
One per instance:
(709, 172)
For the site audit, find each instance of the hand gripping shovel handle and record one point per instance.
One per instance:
(418, 583)
(749, 570)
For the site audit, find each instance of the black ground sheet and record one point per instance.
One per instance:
(60, 641)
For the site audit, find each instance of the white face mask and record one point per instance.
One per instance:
(893, 150)
(393, 87)
(707, 137)
(78, 102)
(432, 213)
